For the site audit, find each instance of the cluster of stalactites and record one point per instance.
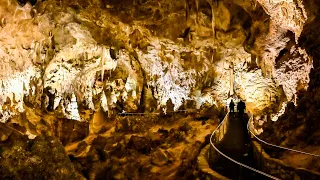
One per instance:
(78, 78)
(16, 84)
(188, 6)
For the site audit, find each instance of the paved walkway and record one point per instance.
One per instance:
(234, 146)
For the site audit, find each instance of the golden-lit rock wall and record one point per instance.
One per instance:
(77, 56)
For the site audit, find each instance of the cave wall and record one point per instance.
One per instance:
(298, 126)
(90, 60)
(74, 58)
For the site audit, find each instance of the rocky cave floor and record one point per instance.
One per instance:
(128, 147)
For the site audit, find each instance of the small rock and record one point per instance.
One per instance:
(159, 157)
(156, 139)
(273, 166)
(296, 177)
(179, 136)
(141, 144)
(164, 132)
(4, 133)
(99, 141)
(185, 127)
(274, 172)
(184, 154)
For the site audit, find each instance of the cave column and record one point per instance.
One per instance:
(231, 71)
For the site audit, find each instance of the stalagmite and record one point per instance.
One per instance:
(104, 102)
(72, 109)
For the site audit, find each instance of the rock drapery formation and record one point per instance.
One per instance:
(90, 60)
(298, 126)
(74, 53)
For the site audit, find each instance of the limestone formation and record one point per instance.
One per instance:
(69, 69)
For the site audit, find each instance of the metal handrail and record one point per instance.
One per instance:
(273, 145)
(243, 165)
(125, 113)
(133, 113)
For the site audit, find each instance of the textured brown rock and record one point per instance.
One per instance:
(124, 154)
(154, 46)
(159, 157)
(4, 132)
(69, 131)
(142, 144)
(185, 127)
(34, 159)
(88, 61)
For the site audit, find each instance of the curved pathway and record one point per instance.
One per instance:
(235, 146)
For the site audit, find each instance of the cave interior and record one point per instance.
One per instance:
(134, 89)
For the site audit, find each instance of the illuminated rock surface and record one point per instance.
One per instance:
(87, 61)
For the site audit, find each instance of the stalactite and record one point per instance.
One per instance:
(3, 22)
(103, 52)
(187, 10)
(231, 79)
(50, 50)
(25, 7)
(213, 18)
(253, 59)
(82, 59)
(197, 10)
(37, 51)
